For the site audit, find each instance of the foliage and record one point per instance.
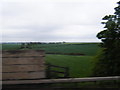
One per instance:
(109, 59)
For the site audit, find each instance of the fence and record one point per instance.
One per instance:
(65, 80)
(54, 71)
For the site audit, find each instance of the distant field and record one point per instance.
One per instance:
(11, 46)
(84, 48)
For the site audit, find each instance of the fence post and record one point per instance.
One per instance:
(48, 72)
(66, 72)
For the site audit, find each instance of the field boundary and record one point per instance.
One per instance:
(74, 54)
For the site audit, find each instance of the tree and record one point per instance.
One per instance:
(108, 63)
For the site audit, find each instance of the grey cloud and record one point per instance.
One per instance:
(35, 27)
(40, 21)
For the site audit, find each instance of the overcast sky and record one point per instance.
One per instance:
(53, 20)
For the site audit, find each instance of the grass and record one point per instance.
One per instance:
(89, 85)
(80, 66)
(10, 46)
(83, 49)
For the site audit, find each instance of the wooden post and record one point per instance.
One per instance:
(48, 70)
(66, 72)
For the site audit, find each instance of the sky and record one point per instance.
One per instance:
(53, 20)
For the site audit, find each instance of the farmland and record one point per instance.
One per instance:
(88, 49)
(79, 57)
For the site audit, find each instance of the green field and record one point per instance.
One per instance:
(8, 46)
(89, 49)
(80, 66)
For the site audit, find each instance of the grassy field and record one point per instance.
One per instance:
(80, 66)
(89, 49)
(8, 46)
